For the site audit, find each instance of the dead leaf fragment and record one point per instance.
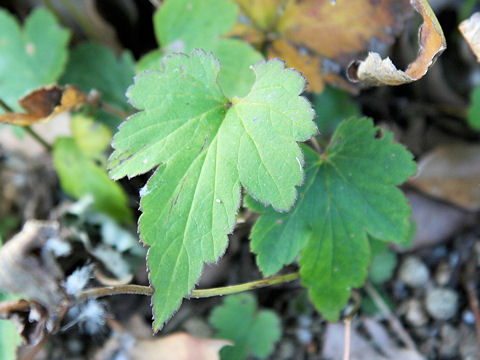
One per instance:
(375, 72)
(178, 346)
(28, 266)
(44, 103)
(29, 317)
(321, 38)
(451, 173)
(470, 30)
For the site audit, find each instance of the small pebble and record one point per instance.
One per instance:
(443, 273)
(450, 341)
(468, 344)
(441, 304)
(414, 272)
(304, 336)
(468, 317)
(415, 314)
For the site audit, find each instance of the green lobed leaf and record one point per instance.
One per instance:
(184, 25)
(30, 57)
(473, 115)
(79, 175)
(94, 66)
(253, 332)
(382, 267)
(208, 147)
(349, 193)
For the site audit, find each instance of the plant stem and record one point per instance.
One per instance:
(391, 318)
(202, 293)
(81, 19)
(28, 129)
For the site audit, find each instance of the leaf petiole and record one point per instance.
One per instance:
(94, 293)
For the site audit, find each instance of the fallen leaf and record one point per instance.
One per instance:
(452, 173)
(435, 221)
(177, 346)
(44, 103)
(28, 268)
(321, 38)
(375, 71)
(29, 317)
(470, 30)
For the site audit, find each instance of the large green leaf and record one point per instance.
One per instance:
(32, 57)
(208, 146)
(253, 332)
(80, 176)
(183, 25)
(349, 193)
(94, 66)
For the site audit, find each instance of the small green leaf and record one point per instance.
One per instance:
(184, 25)
(91, 136)
(382, 267)
(473, 115)
(32, 57)
(349, 193)
(207, 147)
(80, 175)
(94, 66)
(253, 332)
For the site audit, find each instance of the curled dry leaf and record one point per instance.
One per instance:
(29, 317)
(321, 38)
(44, 103)
(451, 173)
(470, 29)
(375, 71)
(28, 268)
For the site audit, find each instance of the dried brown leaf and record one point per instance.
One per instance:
(28, 267)
(321, 38)
(44, 103)
(470, 29)
(179, 346)
(451, 173)
(375, 71)
(29, 317)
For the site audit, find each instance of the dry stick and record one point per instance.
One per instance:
(348, 324)
(28, 129)
(468, 277)
(392, 319)
(202, 293)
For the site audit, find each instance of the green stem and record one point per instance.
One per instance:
(28, 129)
(202, 293)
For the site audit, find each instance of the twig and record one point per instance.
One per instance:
(113, 110)
(348, 324)
(392, 319)
(82, 20)
(94, 293)
(28, 129)
(468, 278)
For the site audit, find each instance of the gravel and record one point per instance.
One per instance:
(414, 272)
(441, 303)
